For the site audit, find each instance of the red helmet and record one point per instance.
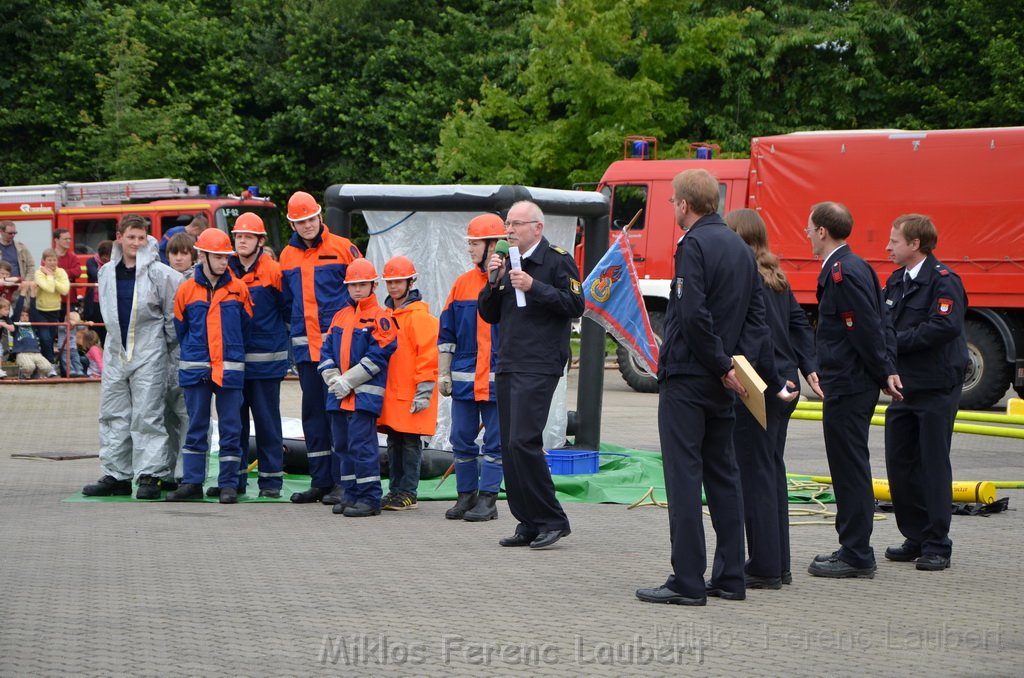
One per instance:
(249, 222)
(360, 270)
(302, 206)
(486, 227)
(399, 268)
(214, 241)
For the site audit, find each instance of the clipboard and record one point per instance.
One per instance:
(755, 386)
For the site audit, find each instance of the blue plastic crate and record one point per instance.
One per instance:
(572, 462)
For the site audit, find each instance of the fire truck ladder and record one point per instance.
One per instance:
(101, 192)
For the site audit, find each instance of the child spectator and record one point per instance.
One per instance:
(51, 284)
(354, 365)
(6, 331)
(26, 349)
(89, 341)
(212, 312)
(9, 284)
(410, 400)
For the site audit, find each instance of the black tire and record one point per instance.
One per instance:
(638, 380)
(988, 373)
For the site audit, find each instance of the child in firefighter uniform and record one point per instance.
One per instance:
(212, 315)
(468, 349)
(266, 354)
(410, 399)
(354, 366)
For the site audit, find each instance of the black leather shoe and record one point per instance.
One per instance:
(271, 494)
(484, 509)
(187, 492)
(149, 488)
(361, 510)
(310, 496)
(932, 562)
(904, 553)
(108, 486)
(465, 501)
(663, 594)
(822, 557)
(339, 508)
(755, 582)
(716, 592)
(516, 540)
(228, 495)
(787, 577)
(333, 497)
(546, 539)
(839, 569)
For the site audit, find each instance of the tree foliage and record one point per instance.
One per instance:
(294, 94)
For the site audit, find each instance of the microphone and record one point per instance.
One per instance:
(501, 249)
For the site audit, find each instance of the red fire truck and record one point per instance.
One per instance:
(967, 181)
(92, 210)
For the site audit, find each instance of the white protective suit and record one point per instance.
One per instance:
(133, 440)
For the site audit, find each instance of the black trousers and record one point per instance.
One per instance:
(523, 403)
(845, 421)
(695, 424)
(918, 431)
(759, 453)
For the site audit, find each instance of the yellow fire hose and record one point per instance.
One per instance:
(814, 414)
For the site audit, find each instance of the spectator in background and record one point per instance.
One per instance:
(9, 284)
(31, 363)
(186, 224)
(15, 252)
(68, 261)
(91, 306)
(6, 331)
(89, 341)
(51, 284)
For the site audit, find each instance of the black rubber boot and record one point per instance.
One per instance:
(214, 491)
(361, 510)
(465, 502)
(108, 486)
(187, 492)
(484, 509)
(228, 495)
(334, 496)
(310, 496)
(149, 488)
(339, 508)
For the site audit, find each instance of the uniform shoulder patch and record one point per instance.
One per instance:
(942, 271)
(945, 306)
(558, 249)
(354, 251)
(385, 324)
(575, 287)
(837, 272)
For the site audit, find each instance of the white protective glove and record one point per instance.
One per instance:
(444, 373)
(421, 400)
(346, 383)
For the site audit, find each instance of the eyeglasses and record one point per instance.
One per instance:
(520, 224)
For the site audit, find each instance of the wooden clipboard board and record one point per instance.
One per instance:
(755, 386)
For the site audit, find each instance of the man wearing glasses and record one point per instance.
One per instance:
(15, 253)
(533, 352)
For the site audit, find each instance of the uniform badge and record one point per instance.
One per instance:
(354, 251)
(575, 287)
(678, 286)
(837, 272)
(945, 306)
(848, 319)
(385, 324)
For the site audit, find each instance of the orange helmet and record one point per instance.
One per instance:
(302, 206)
(214, 241)
(486, 227)
(399, 268)
(360, 270)
(249, 222)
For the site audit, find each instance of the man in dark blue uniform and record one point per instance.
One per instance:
(856, 354)
(927, 303)
(533, 353)
(716, 301)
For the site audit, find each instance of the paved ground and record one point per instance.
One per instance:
(170, 589)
